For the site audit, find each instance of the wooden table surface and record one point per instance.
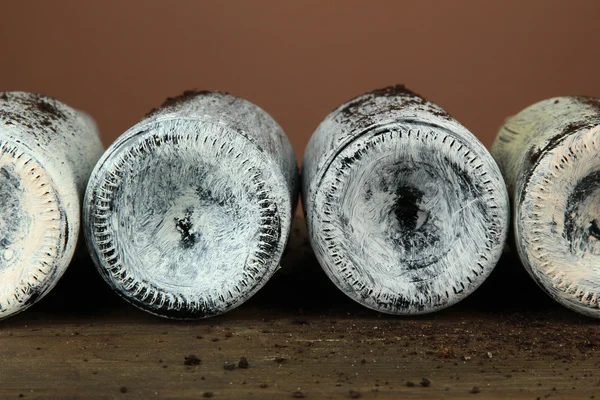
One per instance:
(302, 338)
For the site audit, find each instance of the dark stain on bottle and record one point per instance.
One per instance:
(590, 102)
(535, 154)
(393, 90)
(11, 179)
(573, 229)
(407, 209)
(594, 230)
(354, 107)
(46, 107)
(184, 227)
(406, 98)
(184, 97)
(66, 225)
(40, 113)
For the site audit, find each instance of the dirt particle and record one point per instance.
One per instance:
(48, 108)
(279, 360)
(589, 101)
(243, 363)
(263, 385)
(425, 382)
(186, 96)
(298, 395)
(207, 394)
(446, 352)
(229, 367)
(394, 90)
(191, 360)
(409, 384)
(123, 389)
(475, 390)
(353, 394)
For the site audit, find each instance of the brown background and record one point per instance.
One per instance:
(481, 60)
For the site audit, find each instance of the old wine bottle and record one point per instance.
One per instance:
(47, 151)
(548, 154)
(406, 210)
(188, 212)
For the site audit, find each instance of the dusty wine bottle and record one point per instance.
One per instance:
(188, 212)
(406, 210)
(548, 154)
(47, 151)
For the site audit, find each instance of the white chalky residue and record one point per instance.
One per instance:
(47, 151)
(549, 155)
(189, 211)
(406, 210)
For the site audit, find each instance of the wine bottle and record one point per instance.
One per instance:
(188, 212)
(406, 210)
(548, 154)
(47, 151)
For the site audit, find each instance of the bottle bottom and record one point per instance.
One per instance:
(409, 219)
(187, 219)
(34, 234)
(557, 221)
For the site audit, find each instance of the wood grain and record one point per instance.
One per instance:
(301, 334)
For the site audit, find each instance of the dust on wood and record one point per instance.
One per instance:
(300, 337)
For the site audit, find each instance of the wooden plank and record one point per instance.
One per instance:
(302, 337)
